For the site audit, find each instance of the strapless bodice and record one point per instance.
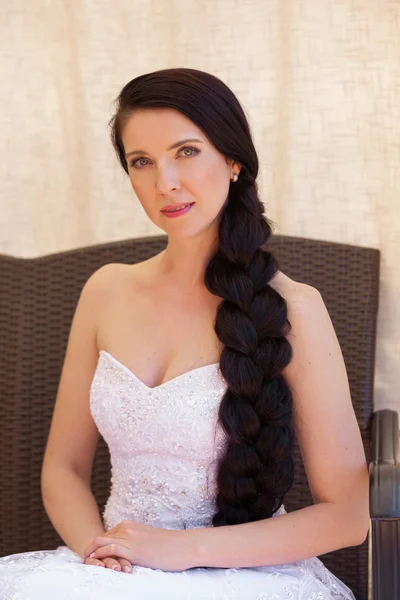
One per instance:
(164, 444)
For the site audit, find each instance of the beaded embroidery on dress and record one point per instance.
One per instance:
(164, 443)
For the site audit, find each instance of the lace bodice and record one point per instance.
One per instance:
(164, 444)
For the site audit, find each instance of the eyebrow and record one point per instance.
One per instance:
(170, 148)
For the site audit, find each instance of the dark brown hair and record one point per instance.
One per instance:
(257, 469)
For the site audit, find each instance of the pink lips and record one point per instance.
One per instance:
(177, 213)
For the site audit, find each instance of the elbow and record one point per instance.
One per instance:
(362, 534)
(360, 538)
(354, 523)
(359, 526)
(358, 516)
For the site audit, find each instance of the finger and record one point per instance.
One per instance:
(94, 562)
(116, 564)
(126, 565)
(113, 550)
(97, 543)
(112, 563)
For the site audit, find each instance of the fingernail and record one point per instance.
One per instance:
(92, 555)
(116, 568)
(127, 569)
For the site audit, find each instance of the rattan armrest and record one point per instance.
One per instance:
(385, 505)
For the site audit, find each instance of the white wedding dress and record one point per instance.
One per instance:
(163, 443)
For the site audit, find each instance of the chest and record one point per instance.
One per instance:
(177, 418)
(159, 337)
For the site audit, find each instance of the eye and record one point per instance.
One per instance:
(135, 162)
(190, 148)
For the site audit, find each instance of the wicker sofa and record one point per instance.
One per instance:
(37, 299)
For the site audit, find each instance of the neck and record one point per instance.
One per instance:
(183, 263)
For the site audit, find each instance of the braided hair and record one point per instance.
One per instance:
(257, 469)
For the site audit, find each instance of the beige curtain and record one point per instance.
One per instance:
(319, 81)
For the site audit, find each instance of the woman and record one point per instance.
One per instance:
(197, 366)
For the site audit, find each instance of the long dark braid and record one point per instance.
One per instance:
(256, 411)
(257, 469)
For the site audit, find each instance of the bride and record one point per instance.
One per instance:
(198, 367)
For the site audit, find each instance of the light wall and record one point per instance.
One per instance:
(320, 83)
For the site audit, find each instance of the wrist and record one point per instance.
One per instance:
(191, 547)
(96, 532)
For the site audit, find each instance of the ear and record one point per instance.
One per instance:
(234, 165)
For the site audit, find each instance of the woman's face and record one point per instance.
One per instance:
(191, 171)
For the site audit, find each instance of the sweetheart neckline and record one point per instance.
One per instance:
(161, 385)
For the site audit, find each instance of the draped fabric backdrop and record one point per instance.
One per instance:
(319, 81)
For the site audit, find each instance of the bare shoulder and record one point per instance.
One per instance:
(101, 288)
(299, 296)
(121, 278)
(108, 272)
(109, 277)
(312, 333)
(111, 283)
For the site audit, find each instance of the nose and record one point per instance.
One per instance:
(167, 180)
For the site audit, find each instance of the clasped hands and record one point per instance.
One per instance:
(142, 545)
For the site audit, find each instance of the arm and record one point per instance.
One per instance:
(332, 452)
(71, 508)
(73, 437)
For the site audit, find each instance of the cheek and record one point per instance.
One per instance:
(141, 190)
(213, 173)
(136, 188)
(145, 199)
(214, 185)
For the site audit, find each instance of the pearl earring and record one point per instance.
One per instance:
(235, 177)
